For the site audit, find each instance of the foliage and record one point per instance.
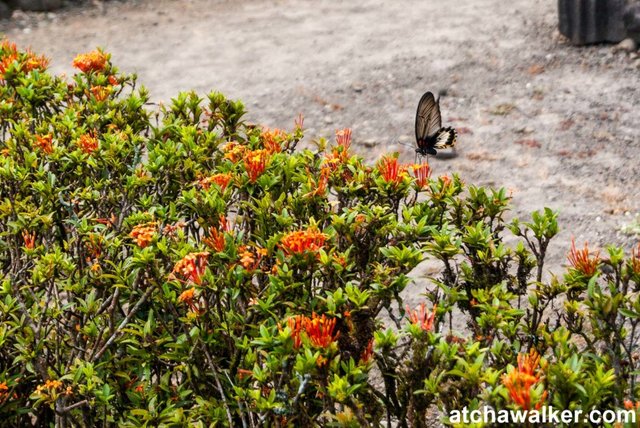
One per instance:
(182, 267)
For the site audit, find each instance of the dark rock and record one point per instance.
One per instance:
(5, 10)
(632, 21)
(36, 5)
(592, 21)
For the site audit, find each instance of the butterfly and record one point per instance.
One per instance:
(430, 135)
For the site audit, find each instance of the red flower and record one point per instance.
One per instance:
(100, 92)
(582, 260)
(92, 61)
(367, 354)
(272, 139)
(301, 241)
(29, 239)
(191, 267)
(635, 260)
(421, 317)
(390, 170)
(522, 379)
(422, 173)
(255, 162)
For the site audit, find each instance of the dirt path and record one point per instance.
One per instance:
(558, 125)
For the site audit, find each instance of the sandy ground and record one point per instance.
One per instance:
(556, 124)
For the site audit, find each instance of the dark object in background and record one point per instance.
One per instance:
(592, 21)
(5, 11)
(35, 5)
(632, 21)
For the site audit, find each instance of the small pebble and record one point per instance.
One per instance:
(328, 120)
(627, 45)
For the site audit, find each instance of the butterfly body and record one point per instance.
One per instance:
(430, 135)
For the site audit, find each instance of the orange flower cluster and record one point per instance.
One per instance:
(249, 260)
(44, 143)
(582, 260)
(9, 54)
(187, 297)
(93, 61)
(421, 316)
(255, 162)
(234, 151)
(522, 379)
(391, 170)
(143, 234)
(216, 238)
(49, 386)
(630, 405)
(100, 92)
(422, 173)
(635, 260)
(29, 240)
(301, 241)
(87, 143)
(318, 329)
(222, 180)
(272, 139)
(191, 267)
(343, 138)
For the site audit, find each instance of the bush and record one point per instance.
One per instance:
(182, 267)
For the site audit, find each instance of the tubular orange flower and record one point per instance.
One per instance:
(187, 296)
(29, 240)
(234, 151)
(87, 143)
(191, 267)
(255, 162)
(367, 354)
(221, 180)
(301, 241)
(6, 62)
(4, 394)
(92, 61)
(34, 62)
(272, 139)
(582, 260)
(343, 138)
(630, 405)
(44, 143)
(391, 170)
(422, 173)
(113, 80)
(299, 121)
(100, 92)
(522, 379)
(421, 317)
(318, 329)
(143, 234)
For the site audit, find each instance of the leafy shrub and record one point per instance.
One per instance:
(182, 267)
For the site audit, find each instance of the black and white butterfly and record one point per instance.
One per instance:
(430, 135)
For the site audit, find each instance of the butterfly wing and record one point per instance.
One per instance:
(428, 122)
(445, 137)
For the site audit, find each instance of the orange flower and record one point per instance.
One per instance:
(221, 180)
(100, 92)
(272, 139)
(44, 143)
(422, 173)
(299, 122)
(522, 379)
(244, 373)
(255, 162)
(113, 80)
(390, 170)
(191, 267)
(49, 386)
(234, 151)
(6, 62)
(343, 138)
(87, 143)
(367, 354)
(301, 241)
(3, 391)
(582, 260)
(29, 240)
(421, 317)
(630, 405)
(171, 229)
(216, 239)
(318, 329)
(92, 61)
(34, 62)
(187, 296)
(143, 234)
